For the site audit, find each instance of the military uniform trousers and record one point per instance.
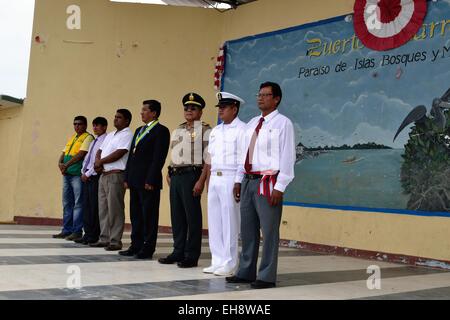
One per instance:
(223, 220)
(256, 214)
(186, 216)
(111, 205)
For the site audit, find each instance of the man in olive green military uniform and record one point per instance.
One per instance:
(187, 176)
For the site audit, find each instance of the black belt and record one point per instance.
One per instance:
(183, 170)
(251, 176)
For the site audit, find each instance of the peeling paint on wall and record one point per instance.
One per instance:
(35, 137)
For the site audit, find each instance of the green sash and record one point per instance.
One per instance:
(141, 134)
(74, 169)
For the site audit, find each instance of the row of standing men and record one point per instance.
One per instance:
(248, 167)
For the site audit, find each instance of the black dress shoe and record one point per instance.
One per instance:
(128, 253)
(144, 255)
(92, 241)
(61, 235)
(99, 244)
(186, 263)
(259, 284)
(169, 260)
(234, 279)
(74, 236)
(113, 247)
(82, 241)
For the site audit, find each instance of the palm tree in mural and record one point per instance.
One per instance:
(425, 172)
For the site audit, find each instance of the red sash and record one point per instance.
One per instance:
(267, 182)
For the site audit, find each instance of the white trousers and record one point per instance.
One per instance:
(223, 221)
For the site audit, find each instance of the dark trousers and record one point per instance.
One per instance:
(90, 209)
(186, 215)
(144, 214)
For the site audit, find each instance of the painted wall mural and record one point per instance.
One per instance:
(348, 103)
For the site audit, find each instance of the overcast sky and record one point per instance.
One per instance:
(16, 24)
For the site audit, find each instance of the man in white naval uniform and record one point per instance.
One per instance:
(223, 209)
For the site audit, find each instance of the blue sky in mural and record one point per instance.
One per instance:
(355, 106)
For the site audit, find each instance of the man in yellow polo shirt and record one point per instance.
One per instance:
(69, 164)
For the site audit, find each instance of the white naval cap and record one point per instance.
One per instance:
(226, 98)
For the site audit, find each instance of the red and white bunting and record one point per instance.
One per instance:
(387, 24)
(220, 67)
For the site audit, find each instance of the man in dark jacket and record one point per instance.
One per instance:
(144, 179)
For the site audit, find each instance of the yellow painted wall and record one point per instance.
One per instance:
(175, 53)
(10, 140)
(270, 15)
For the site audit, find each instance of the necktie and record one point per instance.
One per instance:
(251, 148)
(90, 155)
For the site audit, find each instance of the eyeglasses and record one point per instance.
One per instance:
(263, 95)
(190, 108)
(78, 123)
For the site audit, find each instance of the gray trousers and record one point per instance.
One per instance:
(256, 214)
(111, 208)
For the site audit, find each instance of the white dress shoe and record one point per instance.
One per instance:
(210, 269)
(224, 271)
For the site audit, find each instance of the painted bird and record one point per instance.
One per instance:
(419, 113)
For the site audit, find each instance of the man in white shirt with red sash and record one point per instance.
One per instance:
(265, 173)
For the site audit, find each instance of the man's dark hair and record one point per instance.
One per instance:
(82, 119)
(154, 106)
(100, 121)
(126, 113)
(238, 106)
(276, 90)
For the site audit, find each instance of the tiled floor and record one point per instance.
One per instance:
(35, 266)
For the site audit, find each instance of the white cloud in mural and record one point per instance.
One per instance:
(288, 82)
(310, 34)
(365, 133)
(245, 46)
(231, 82)
(298, 132)
(373, 109)
(315, 136)
(266, 71)
(294, 63)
